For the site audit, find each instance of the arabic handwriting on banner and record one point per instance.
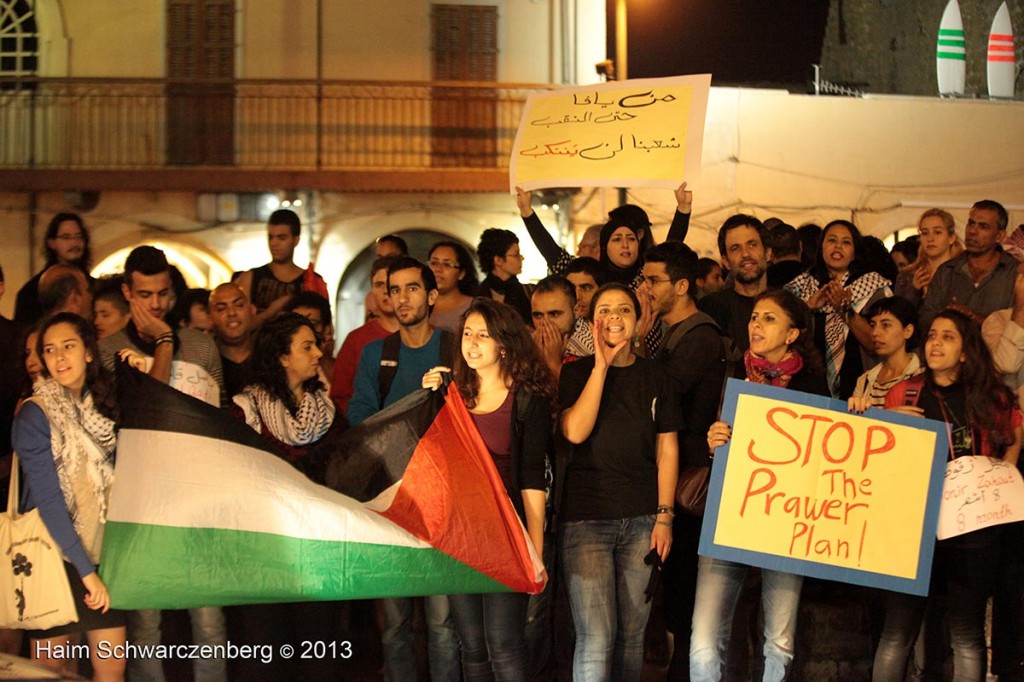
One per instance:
(814, 490)
(979, 492)
(641, 133)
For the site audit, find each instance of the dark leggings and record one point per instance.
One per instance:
(966, 575)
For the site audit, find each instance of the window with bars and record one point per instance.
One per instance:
(19, 43)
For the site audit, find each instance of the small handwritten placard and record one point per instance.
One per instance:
(804, 486)
(979, 492)
(634, 133)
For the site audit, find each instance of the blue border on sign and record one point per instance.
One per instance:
(815, 569)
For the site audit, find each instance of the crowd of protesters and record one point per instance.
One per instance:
(591, 390)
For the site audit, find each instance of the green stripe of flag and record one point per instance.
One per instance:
(952, 55)
(953, 43)
(190, 567)
(951, 32)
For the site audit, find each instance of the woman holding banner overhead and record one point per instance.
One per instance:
(64, 435)
(622, 414)
(781, 354)
(510, 396)
(961, 388)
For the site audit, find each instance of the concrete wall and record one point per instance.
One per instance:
(890, 44)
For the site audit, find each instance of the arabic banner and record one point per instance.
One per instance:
(634, 133)
(806, 487)
(979, 492)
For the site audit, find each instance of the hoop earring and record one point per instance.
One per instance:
(636, 342)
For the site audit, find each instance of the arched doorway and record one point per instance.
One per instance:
(201, 269)
(349, 310)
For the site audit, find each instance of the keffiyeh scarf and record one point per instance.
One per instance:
(82, 441)
(836, 329)
(308, 425)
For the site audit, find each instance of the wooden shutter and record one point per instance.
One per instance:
(464, 120)
(200, 94)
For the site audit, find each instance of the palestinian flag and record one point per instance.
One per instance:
(202, 513)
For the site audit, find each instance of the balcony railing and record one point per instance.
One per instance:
(260, 125)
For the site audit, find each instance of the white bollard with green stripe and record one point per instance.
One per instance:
(951, 52)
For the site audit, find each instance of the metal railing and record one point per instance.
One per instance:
(271, 125)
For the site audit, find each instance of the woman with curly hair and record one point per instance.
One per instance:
(838, 286)
(287, 405)
(288, 402)
(961, 388)
(64, 436)
(781, 354)
(510, 396)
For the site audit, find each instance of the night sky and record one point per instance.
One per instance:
(740, 42)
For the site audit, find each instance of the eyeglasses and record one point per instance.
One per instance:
(79, 237)
(656, 280)
(450, 265)
(515, 255)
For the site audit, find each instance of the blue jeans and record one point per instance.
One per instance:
(207, 628)
(492, 633)
(606, 577)
(719, 584)
(397, 638)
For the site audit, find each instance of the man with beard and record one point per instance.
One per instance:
(390, 369)
(741, 242)
(67, 243)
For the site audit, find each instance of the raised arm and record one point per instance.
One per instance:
(681, 220)
(555, 256)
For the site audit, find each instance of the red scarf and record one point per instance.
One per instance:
(762, 371)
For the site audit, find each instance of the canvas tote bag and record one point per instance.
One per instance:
(36, 594)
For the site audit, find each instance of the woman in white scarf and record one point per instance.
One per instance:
(289, 406)
(64, 435)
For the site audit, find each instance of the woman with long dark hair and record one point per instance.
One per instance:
(456, 284)
(961, 388)
(781, 354)
(622, 417)
(288, 405)
(64, 436)
(510, 394)
(837, 287)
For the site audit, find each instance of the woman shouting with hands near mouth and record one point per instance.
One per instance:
(621, 418)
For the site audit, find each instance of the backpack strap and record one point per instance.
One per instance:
(388, 366)
(389, 360)
(912, 393)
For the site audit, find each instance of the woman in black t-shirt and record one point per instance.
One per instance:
(961, 388)
(509, 393)
(622, 418)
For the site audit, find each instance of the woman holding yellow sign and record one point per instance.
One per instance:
(781, 354)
